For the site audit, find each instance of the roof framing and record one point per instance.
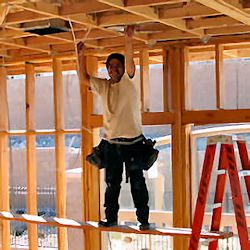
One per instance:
(158, 23)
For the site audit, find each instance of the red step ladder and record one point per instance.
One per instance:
(227, 164)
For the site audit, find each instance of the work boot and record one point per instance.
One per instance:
(144, 226)
(107, 223)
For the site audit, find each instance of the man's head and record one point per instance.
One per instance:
(115, 66)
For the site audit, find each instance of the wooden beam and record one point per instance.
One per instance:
(220, 78)
(4, 159)
(120, 19)
(54, 12)
(233, 30)
(24, 16)
(152, 2)
(3, 12)
(31, 153)
(212, 22)
(215, 116)
(88, 6)
(229, 9)
(190, 10)
(166, 78)
(145, 83)
(149, 13)
(60, 151)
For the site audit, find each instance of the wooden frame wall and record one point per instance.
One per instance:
(177, 113)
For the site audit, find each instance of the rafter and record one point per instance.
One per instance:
(24, 16)
(81, 18)
(152, 2)
(149, 13)
(21, 44)
(205, 23)
(190, 10)
(120, 19)
(229, 8)
(3, 13)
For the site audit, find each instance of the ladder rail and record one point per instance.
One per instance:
(237, 197)
(219, 194)
(202, 196)
(245, 163)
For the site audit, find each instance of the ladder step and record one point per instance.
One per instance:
(216, 205)
(243, 173)
(221, 171)
(205, 242)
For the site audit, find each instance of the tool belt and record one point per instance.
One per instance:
(143, 153)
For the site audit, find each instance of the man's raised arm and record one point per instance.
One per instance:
(83, 75)
(129, 61)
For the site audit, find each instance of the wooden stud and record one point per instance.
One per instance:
(90, 176)
(145, 83)
(60, 151)
(31, 153)
(220, 80)
(166, 87)
(4, 159)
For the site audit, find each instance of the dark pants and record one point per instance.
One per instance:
(115, 155)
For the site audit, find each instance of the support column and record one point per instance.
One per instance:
(90, 174)
(181, 171)
(4, 159)
(145, 84)
(31, 153)
(60, 151)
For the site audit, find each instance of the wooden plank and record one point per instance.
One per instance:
(92, 225)
(145, 83)
(20, 44)
(228, 9)
(88, 6)
(215, 116)
(220, 78)
(120, 19)
(3, 12)
(212, 22)
(152, 2)
(31, 153)
(190, 10)
(24, 16)
(60, 151)
(149, 13)
(4, 159)
(169, 35)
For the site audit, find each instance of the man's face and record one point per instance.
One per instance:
(115, 70)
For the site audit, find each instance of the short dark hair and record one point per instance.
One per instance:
(117, 56)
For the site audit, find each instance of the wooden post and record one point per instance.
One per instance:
(31, 153)
(166, 88)
(60, 151)
(144, 76)
(90, 175)
(220, 79)
(181, 172)
(4, 159)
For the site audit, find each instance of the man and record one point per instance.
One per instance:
(123, 130)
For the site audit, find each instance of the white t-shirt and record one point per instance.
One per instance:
(121, 106)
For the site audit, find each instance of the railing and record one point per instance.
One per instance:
(47, 236)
